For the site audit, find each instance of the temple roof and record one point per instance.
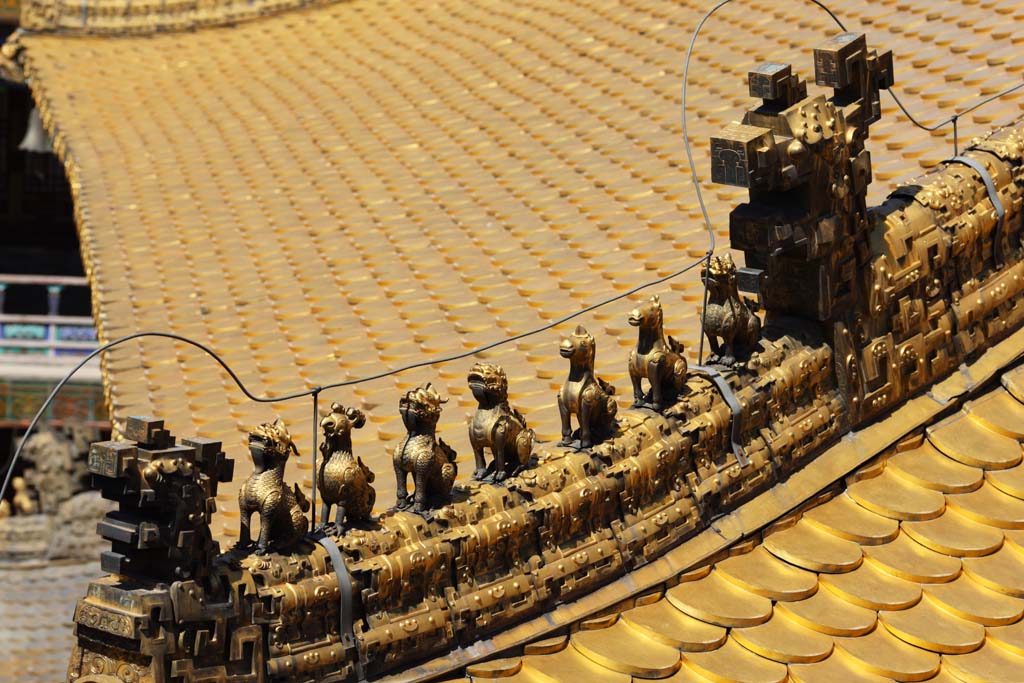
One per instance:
(912, 571)
(326, 192)
(330, 192)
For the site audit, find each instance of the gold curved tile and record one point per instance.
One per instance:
(870, 587)
(811, 548)
(884, 654)
(989, 505)
(928, 626)
(718, 601)
(1010, 636)
(989, 664)
(1013, 382)
(569, 665)
(762, 573)
(733, 663)
(546, 646)
(895, 497)
(1010, 481)
(666, 624)
(970, 600)
(1000, 412)
(838, 667)
(954, 534)
(927, 466)
(626, 650)
(1002, 571)
(495, 668)
(825, 612)
(784, 640)
(906, 558)
(843, 517)
(967, 441)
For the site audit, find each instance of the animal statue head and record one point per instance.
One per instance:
(648, 315)
(338, 426)
(270, 444)
(720, 274)
(489, 384)
(420, 408)
(579, 347)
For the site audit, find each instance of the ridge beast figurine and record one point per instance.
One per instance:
(657, 359)
(343, 479)
(281, 509)
(421, 453)
(584, 394)
(728, 316)
(497, 425)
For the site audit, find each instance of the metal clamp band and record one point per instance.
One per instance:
(734, 405)
(348, 638)
(993, 196)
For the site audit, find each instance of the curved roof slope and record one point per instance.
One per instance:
(915, 572)
(330, 192)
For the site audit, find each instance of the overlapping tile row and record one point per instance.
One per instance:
(914, 572)
(327, 193)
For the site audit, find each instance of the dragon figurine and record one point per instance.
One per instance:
(421, 453)
(497, 425)
(281, 509)
(657, 359)
(584, 394)
(343, 479)
(728, 316)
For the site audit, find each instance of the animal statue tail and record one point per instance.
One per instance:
(300, 498)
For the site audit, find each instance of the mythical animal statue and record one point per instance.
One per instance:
(584, 394)
(343, 479)
(657, 359)
(421, 453)
(728, 316)
(22, 501)
(281, 509)
(497, 425)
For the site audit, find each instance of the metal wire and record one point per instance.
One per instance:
(315, 391)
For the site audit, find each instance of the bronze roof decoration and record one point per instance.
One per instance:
(862, 309)
(414, 172)
(497, 426)
(343, 480)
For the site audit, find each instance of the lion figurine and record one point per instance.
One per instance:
(343, 479)
(497, 425)
(584, 394)
(656, 359)
(421, 453)
(728, 316)
(281, 509)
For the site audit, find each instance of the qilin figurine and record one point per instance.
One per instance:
(496, 425)
(343, 479)
(657, 359)
(728, 316)
(281, 509)
(584, 394)
(421, 453)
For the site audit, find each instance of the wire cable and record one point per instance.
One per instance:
(315, 391)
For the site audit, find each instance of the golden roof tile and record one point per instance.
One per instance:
(937, 599)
